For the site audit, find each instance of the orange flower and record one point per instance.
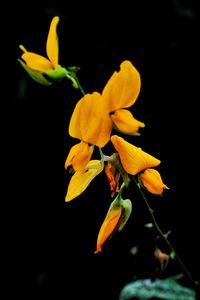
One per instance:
(121, 91)
(152, 181)
(37, 65)
(117, 216)
(133, 159)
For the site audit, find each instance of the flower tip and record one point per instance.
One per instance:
(98, 250)
(22, 48)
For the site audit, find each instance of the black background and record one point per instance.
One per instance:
(53, 242)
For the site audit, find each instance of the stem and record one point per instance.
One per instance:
(79, 85)
(164, 236)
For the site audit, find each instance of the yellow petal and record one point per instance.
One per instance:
(81, 179)
(37, 62)
(152, 181)
(109, 225)
(90, 122)
(123, 87)
(125, 122)
(133, 159)
(79, 156)
(52, 42)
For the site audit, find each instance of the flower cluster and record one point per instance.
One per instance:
(99, 119)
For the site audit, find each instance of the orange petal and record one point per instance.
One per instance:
(52, 42)
(152, 181)
(109, 225)
(89, 122)
(123, 87)
(133, 159)
(81, 179)
(113, 176)
(125, 122)
(79, 156)
(37, 62)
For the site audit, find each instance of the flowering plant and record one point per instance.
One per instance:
(99, 119)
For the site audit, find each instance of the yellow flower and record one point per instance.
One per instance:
(121, 91)
(152, 181)
(81, 179)
(117, 216)
(44, 70)
(133, 159)
(95, 114)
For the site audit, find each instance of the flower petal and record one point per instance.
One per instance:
(37, 62)
(35, 75)
(52, 42)
(79, 155)
(81, 179)
(133, 159)
(109, 225)
(125, 122)
(123, 87)
(90, 122)
(152, 181)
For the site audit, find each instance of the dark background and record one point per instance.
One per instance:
(53, 242)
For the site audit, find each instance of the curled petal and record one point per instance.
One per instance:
(52, 42)
(79, 155)
(152, 181)
(133, 159)
(90, 122)
(124, 122)
(123, 87)
(81, 179)
(37, 62)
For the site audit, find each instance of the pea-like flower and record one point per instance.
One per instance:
(115, 220)
(151, 180)
(95, 115)
(45, 70)
(133, 159)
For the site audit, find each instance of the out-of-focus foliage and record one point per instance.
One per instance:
(166, 289)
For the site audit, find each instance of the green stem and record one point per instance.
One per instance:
(79, 85)
(164, 236)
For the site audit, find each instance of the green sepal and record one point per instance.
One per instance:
(127, 209)
(35, 75)
(56, 74)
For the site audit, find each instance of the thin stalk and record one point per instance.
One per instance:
(164, 236)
